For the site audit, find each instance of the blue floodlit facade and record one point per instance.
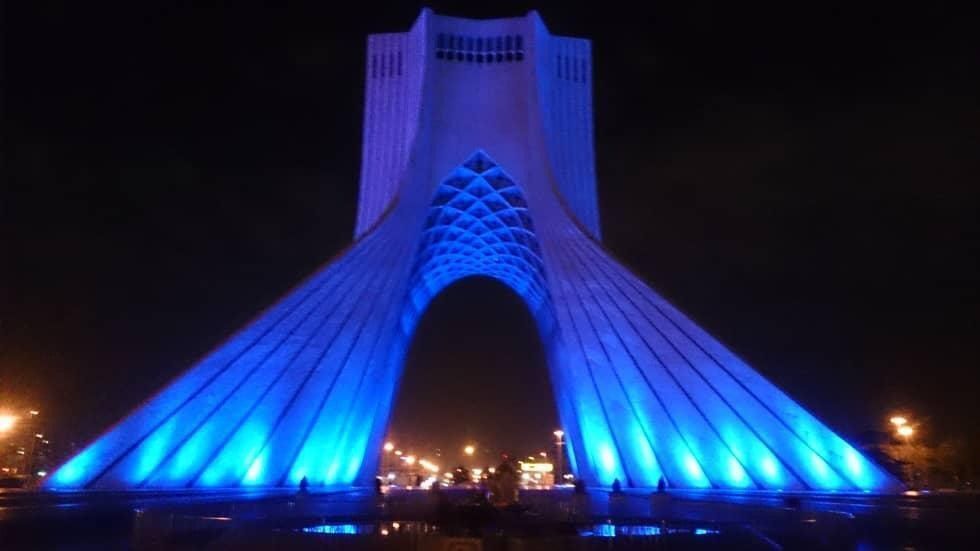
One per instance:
(477, 161)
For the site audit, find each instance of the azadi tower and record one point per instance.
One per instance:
(478, 160)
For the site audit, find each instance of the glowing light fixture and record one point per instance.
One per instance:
(7, 422)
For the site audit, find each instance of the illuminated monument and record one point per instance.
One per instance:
(477, 160)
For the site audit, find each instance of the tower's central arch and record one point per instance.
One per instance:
(305, 390)
(478, 224)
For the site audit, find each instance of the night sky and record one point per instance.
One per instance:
(801, 181)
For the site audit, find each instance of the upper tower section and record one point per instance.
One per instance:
(450, 86)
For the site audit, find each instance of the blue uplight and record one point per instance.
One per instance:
(770, 469)
(695, 475)
(305, 390)
(344, 529)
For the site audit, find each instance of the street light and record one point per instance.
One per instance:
(7, 422)
(385, 464)
(905, 432)
(469, 449)
(559, 443)
(898, 421)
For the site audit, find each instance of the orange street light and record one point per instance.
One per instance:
(389, 446)
(906, 431)
(7, 422)
(898, 421)
(469, 449)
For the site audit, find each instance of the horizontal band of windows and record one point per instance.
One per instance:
(478, 57)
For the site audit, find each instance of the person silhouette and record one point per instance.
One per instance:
(304, 485)
(661, 485)
(616, 486)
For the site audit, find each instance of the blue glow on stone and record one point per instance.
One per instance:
(478, 224)
(604, 530)
(695, 475)
(822, 471)
(345, 529)
(254, 472)
(736, 474)
(153, 452)
(608, 460)
(570, 452)
(650, 472)
(237, 454)
(625, 418)
(770, 469)
(76, 471)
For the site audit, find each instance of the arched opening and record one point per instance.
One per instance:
(475, 373)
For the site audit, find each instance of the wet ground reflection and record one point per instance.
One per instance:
(462, 519)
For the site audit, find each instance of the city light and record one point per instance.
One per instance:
(905, 431)
(537, 467)
(389, 447)
(469, 450)
(558, 434)
(398, 452)
(410, 459)
(7, 422)
(898, 420)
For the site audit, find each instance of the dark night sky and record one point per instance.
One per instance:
(800, 180)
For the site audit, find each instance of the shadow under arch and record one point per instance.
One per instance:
(480, 378)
